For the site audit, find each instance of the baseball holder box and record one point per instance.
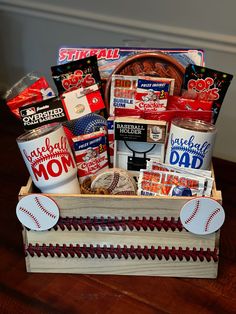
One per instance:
(123, 235)
(143, 232)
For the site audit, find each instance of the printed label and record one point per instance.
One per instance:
(205, 88)
(38, 114)
(139, 132)
(190, 149)
(49, 160)
(131, 131)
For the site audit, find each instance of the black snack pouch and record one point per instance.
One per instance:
(206, 84)
(76, 74)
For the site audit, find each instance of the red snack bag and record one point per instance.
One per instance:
(169, 115)
(180, 103)
(30, 89)
(206, 84)
(122, 112)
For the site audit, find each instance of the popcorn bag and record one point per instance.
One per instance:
(120, 160)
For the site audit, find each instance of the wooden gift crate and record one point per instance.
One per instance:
(124, 235)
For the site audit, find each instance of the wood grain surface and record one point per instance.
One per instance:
(22, 292)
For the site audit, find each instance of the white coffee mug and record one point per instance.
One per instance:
(49, 159)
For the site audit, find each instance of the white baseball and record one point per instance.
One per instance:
(116, 181)
(202, 215)
(37, 212)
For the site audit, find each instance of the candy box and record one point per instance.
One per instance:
(137, 92)
(124, 235)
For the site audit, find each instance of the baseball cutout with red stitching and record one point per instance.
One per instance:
(202, 215)
(115, 181)
(37, 212)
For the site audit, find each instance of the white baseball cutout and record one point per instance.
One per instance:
(37, 212)
(202, 215)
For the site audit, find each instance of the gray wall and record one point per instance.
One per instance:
(31, 33)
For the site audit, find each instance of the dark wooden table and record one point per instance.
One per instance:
(22, 292)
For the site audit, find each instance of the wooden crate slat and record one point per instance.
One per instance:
(123, 267)
(142, 238)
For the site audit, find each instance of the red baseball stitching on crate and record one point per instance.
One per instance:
(213, 214)
(27, 212)
(49, 156)
(119, 252)
(91, 223)
(43, 209)
(193, 213)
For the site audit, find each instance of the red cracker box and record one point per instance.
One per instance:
(110, 57)
(90, 154)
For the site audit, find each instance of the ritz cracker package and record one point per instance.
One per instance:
(127, 217)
